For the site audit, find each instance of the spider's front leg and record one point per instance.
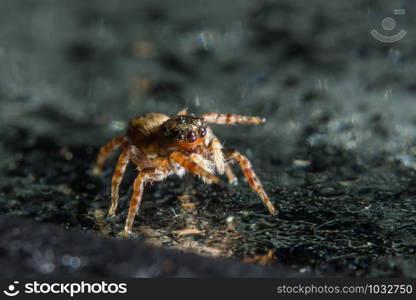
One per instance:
(228, 118)
(215, 147)
(106, 150)
(196, 158)
(251, 177)
(191, 166)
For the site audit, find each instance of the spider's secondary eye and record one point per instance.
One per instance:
(202, 131)
(191, 137)
(177, 135)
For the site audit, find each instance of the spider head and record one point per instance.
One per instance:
(186, 131)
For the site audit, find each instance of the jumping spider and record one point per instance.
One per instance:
(161, 146)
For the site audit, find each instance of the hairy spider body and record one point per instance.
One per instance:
(161, 146)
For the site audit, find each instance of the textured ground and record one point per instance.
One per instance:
(337, 154)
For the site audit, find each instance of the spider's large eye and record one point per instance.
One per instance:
(202, 131)
(191, 137)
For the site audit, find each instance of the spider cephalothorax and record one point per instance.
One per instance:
(186, 130)
(160, 146)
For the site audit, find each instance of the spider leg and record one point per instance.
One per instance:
(136, 197)
(251, 177)
(106, 150)
(202, 164)
(118, 174)
(194, 168)
(216, 148)
(232, 179)
(228, 118)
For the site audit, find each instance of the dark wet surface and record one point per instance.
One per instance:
(336, 155)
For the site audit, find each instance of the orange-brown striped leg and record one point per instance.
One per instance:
(228, 118)
(188, 164)
(251, 177)
(105, 151)
(123, 160)
(135, 200)
(232, 179)
(216, 148)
